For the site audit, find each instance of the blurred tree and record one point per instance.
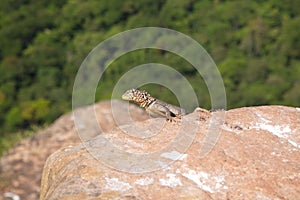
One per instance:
(43, 43)
(13, 119)
(36, 111)
(290, 39)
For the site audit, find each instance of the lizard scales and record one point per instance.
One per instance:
(153, 106)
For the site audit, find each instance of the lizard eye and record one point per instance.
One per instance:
(172, 114)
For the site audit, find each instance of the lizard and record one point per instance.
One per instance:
(153, 106)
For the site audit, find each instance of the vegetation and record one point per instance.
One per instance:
(255, 44)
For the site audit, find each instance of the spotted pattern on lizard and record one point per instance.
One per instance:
(153, 106)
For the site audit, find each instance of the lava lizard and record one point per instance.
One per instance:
(153, 106)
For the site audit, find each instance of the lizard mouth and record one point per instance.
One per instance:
(124, 97)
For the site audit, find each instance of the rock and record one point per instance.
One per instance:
(254, 154)
(21, 168)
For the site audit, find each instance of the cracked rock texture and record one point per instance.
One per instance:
(21, 168)
(245, 153)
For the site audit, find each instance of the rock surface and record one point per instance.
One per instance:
(21, 168)
(256, 155)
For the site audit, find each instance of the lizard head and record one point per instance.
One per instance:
(136, 96)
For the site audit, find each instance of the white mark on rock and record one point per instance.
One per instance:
(11, 196)
(294, 143)
(262, 118)
(144, 181)
(219, 180)
(192, 175)
(116, 185)
(172, 181)
(285, 160)
(281, 131)
(205, 181)
(298, 109)
(174, 155)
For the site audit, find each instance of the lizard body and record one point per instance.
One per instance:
(153, 106)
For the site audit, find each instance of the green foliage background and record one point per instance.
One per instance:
(256, 45)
